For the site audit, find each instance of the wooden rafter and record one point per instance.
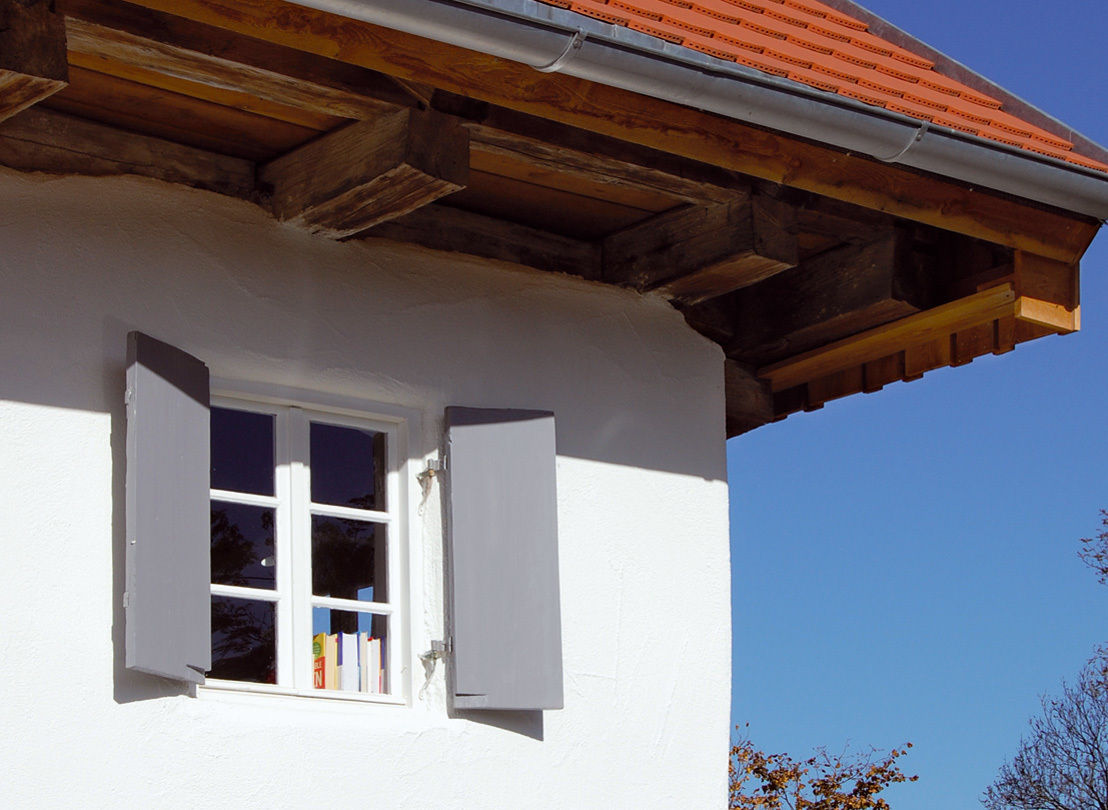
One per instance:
(653, 123)
(701, 252)
(32, 54)
(369, 172)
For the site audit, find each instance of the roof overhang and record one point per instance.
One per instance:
(553, 39)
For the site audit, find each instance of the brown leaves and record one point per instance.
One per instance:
(762, 781)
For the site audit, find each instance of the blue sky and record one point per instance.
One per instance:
(905, 563)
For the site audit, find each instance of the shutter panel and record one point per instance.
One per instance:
(505, 610)
(168, 604)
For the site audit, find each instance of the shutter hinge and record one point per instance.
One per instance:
(435, 466)
(126, 599)
(442, 648)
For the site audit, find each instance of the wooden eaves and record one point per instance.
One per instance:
(820, 273)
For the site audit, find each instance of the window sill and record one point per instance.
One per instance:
(333, 695)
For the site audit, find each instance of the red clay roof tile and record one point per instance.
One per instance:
(811, 43)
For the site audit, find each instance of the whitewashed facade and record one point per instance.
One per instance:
(642, 511)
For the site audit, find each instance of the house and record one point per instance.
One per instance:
(411, 331)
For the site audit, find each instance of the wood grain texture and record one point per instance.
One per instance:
(695, 253)
(46, 141)
(832, 295)
(443, 228)
(187, 56)
(925, 332)
(654, 123)
(32, 54)
(369, 172)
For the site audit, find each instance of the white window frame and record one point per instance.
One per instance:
(293, 413)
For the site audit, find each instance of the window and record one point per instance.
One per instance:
(304, 544)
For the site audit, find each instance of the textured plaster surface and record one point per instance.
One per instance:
(642, 511)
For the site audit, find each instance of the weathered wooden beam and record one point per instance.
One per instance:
(591, 164)
(45, 141)
(834, 294)
(369, 172)
(696, 253)
(749, 399)
(32, 54)
(443, 228)
(655, 123)
(120, 53)
(915, 333)
(1049, 292)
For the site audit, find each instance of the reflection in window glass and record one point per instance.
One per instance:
(347, 466)
(349, 651)
(244, 640)
(242, 545)
(348, 559)
(242, 451)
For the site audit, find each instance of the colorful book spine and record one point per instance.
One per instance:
(319, 660)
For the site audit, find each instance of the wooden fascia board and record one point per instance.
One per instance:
(654, 123)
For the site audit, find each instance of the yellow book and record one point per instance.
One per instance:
(331, 663)
(319, 660)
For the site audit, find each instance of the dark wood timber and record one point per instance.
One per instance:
(444, 228)
(654, 123)
(45, 141)
(749, 400)
(698, 252)
(369, 172)
(830, 296)
(32, 54)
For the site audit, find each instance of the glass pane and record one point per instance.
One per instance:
(242, 545)
(242, 451)
(348, 466)
(348, 559)
(348, 651)
(244, 640)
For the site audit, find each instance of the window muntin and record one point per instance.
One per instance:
(325, 567)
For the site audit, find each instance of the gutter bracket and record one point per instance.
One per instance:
(568, 53)
(916, 138)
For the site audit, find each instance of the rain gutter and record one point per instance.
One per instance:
(554, 39)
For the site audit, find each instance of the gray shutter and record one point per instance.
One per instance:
(505, 611)
(168, 605)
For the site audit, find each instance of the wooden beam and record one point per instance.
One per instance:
(369, 172)
(46, 141)
(696, 253)
(443, 228)
(1049, 292)
(919, 330)
(657, 124)
(749, 399)
(837, 293)
(32, 54)
(585, 160)
(183, 56)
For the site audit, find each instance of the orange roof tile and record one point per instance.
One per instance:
(812, 43)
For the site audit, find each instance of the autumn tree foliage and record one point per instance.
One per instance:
(823, 782)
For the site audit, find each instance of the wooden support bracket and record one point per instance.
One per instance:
(369, 172)
(32, 54)
(696, 253)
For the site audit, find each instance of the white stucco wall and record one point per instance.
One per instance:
(642, 511)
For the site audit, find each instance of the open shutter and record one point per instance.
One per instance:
(505, 610)
(167, 599)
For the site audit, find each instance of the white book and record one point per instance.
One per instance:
(363, 659)
(348, 662)
(374, 665)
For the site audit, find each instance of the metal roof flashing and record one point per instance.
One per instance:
(551, 38)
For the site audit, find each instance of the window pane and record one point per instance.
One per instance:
(348, 466)
(348, 559)
(242, 545)
(244, 640)
(348, 651)
(242, 451)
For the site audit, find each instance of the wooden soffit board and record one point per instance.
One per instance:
(652, 123)
(1038, 297)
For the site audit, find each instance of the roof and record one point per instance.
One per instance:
(811, 43)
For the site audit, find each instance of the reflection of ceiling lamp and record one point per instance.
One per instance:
(268, 562)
